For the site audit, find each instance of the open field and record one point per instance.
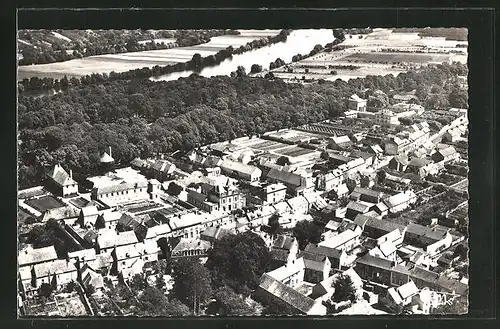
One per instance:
(378, 53)
(136, 60)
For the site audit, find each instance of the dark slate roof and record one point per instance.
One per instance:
(366, 191)
(359, 207)
(284, 176)
(374, 261)
(383, 225)
(287, 294)
(427, 234)
(279, 254)
(128, 221)
(283, 242)
(324, 251)
(361, 220)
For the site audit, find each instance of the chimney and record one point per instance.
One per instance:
(71, 173)
(110, 152)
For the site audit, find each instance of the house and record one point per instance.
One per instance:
(377, 228)
(121, 192)
(317, 266)
(31, 256)
(356, 208)
(128, 257)
(446, 155)
(284, 242)
(431, 239)
(324, 290)
(267, 194)
(109, 239)
(83, 257)
(396, 145)
(337, 257)
(162, 169)
(400, 201)
(329, 180)
(420, 166)
(381, 209)
(356, 103)
(271, 290)
(290, 274)
(57, 273)
(299, 205)
(59, 181)
(346, 240)
(366, 195)
(399, 162)
(219, 195)
(396, 298)
(88, 216)
(212, 234)
(91, 278)
(374, 269)
(188, 247)
(243, 171)
(296, 183)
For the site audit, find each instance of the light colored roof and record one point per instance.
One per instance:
(191, 244)
(283, 272)
(186, 220)
(333, 225)
(407, 290)
(157, 230)
(287, 294)
(84, 254)
(103, 260)
(111, 239)
(342, 140)
(55, 267)
(123, 186)
(106, 158)
(31, 256)
(341, 238)
(419, 162)
(356, 98)
(89, 211)
(214, 232)
(447, 151)
(239, 167)
(399, 199)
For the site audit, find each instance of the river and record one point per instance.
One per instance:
(298, 42)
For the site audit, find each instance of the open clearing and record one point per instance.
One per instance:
(137, 60)
(393, 58)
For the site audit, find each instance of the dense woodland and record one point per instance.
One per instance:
(42, 46)
(143, 118)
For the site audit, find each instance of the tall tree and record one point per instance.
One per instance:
(192, 282)
(238, 261)
(307, 232)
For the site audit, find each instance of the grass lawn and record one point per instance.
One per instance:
(45, 203)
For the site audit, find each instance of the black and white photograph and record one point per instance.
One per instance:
(242, 172)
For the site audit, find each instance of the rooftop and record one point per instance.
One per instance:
(31, 256)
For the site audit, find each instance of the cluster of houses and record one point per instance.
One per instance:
(125, 219)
